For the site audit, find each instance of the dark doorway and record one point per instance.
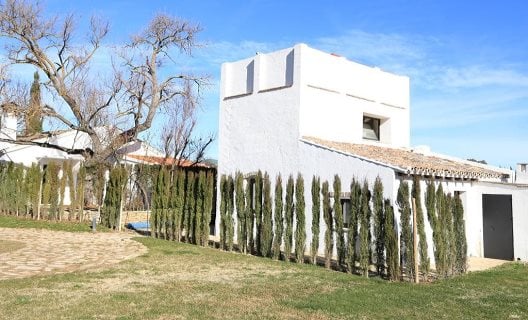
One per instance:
(498, 226)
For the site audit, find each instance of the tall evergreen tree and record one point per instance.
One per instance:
(52, 176)
(422, 240)
(200, 201)
(250, 216)
(208, 207)
(339, 225)
(391, 239)
(258, 212)
(316, 214)
(267, 222)
(441, 261)
(112, 201)
(190, 201)
(406, 239)
(432, 216)
(34, 112)
(355, 217)
(379, 225)
(329, 225)
(288, 216)
(300, 230)
(364, 230)
(460, 235)
(241, 212)
(79, 190)
(178, 197)
(449, 234)
(278, 218)
(63, 179)
(223, 211)
(230, 223)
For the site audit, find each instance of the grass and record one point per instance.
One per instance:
(71, 226)
(181, 281)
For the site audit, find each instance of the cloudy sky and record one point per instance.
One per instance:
(467, 60)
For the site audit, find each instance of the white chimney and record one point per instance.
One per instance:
(8, 122)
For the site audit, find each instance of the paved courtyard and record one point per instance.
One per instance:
(47, 252)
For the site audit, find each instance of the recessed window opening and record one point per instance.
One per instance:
(347, 212)
(371, 128)
(523, 167)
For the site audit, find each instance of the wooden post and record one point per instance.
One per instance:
(415, 242)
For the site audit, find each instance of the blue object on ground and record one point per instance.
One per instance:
(139, 225)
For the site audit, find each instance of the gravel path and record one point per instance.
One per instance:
(49, 252)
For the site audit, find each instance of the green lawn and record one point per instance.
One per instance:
(181, 281)
(71, 226)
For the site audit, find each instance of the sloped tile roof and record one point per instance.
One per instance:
(412, 162)
(166, 161)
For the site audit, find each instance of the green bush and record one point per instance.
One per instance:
(278, 217)
(316, 216)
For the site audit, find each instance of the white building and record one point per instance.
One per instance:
(40, 150)
(303, 110)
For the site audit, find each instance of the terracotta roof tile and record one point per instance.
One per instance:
(165, 161)
(412, 162)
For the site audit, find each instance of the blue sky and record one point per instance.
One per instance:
(467, 60)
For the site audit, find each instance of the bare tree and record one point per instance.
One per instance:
(127, 100)
(178, 136)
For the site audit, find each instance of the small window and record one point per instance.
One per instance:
(523, 167)
(371, 128)
(347, 212)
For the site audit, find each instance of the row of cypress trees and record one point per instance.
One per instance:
(263, 227)
(182, 205)
(365, 235)
(446, 217)
(23, 190)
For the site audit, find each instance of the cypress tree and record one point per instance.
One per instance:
(300, 230)
(189, 207)
(258, 212)
(338, 217)
(316, 214)
(329, 228)
(267, 223)
(379, 224)
(422, 240)
(79, 190)
(364, 230)
(278, 217)
(406, 231)
(460, 236)
(200, 201)
(241, 212)
(230, 230)
(430, 204)
(288, 216)
(157, 205)
(68, 171)
(34, 112)
(179, 204)
(223, 211)
(441, 262)
(449, 234)
(391, 238)
(208, 207)
(62, 189)
(250, 216)
(53, 172)
(34, 179)
(355, 217)
(113, 196)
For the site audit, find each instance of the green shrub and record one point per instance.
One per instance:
(288, 216)
(278, 217)
(329, 228)
(316, 214)
(300, 230)
(338, 220)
